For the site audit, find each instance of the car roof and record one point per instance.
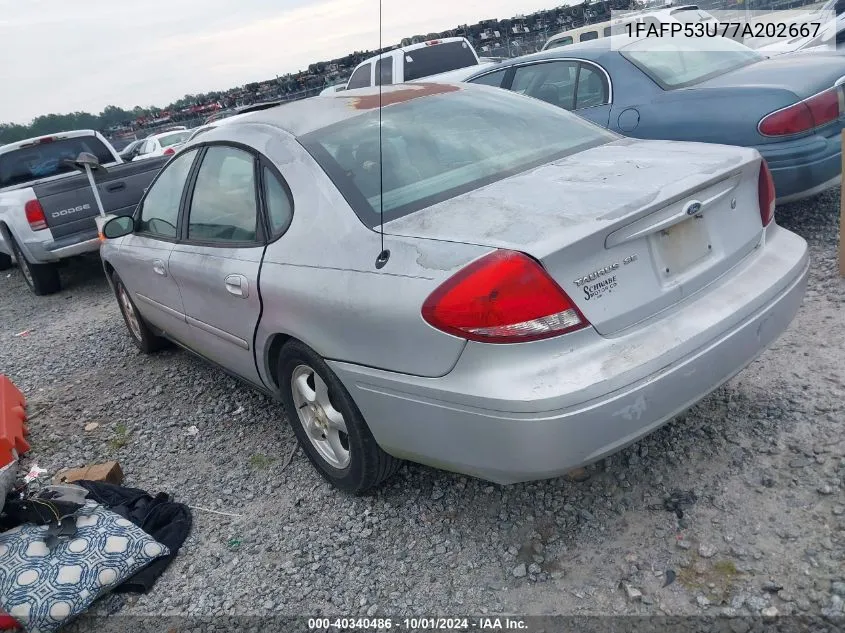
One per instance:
(307, 115)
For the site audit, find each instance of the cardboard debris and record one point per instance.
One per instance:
(110, 472)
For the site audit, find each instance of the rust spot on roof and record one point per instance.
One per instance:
(400, 95)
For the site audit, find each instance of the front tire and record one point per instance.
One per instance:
(328, 424)
(139, 331)
(42, 279)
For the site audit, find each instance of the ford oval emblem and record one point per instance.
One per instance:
(693, 207)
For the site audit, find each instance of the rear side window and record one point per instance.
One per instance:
(224, 207)
(279, 203)
(589, 35)
(44, 159)
(491, 79)
(384, 71)
(436, 59)
(360, 78)
(592, 88)
(160, 208)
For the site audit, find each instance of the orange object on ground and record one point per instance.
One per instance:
(13, 431)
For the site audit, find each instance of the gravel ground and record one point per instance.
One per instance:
(761, 465)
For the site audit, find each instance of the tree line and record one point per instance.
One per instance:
(110, 116)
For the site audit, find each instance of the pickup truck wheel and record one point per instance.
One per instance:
(328, 424)
(5, 261)
(139, 331)
(42, 279)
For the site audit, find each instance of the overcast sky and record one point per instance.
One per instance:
(62, 56)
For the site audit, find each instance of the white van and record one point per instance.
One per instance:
(686, 14)
(414, 62)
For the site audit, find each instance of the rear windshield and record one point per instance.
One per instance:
(564, 41)
(691, 15)
(45, 159)
(674, 66)
(173, 139)
(443, 145)
(437, 58)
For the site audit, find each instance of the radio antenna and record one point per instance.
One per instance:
(384, 255)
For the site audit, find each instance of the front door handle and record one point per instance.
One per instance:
(159, 268)
(118, 186)
(238, 286)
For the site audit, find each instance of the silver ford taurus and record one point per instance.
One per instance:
(466, 277)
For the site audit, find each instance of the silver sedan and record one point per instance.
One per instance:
(465, 278)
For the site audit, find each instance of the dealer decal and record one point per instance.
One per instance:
(596, 290)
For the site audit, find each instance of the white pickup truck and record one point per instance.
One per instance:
(414, 63)
(47, 208)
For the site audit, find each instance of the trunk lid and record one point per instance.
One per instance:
(626, 229)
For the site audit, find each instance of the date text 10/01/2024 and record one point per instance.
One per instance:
(731, 30)
(418, 624)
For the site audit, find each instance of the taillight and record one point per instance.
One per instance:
(35, 215)
(766, 193)
(169, 151)
(504, 297)
(804, 115)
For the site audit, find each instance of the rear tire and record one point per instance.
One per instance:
(42, 279)
(5, 261)
(139, 331)
(317, 406)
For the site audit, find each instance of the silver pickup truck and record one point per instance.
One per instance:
(47, 208)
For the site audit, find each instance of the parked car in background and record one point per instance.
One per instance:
(685, 14)
(414, 62)
(47, 208)
(131, 151)
(664, 89)
(162, 144)
(514, 327)
(255, 107)
(831, 37)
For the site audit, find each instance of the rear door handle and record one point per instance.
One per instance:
(237, 285)
(120, 186)
(159, 268)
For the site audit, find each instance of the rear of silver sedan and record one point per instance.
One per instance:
(623, 283)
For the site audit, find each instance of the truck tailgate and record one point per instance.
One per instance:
(69, 203)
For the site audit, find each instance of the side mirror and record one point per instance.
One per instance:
(118, 227)
(83, 162)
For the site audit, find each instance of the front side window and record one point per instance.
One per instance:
(552, 82)
(673, 66)
(224, 207)
(442, 145)
(160, 208)
(360, 78)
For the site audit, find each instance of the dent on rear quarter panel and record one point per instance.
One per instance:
(319, 282)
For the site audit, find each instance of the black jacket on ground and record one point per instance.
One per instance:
(167, 522)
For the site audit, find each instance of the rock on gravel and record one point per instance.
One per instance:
(431, 541)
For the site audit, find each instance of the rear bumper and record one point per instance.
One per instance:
(804, 167)
(62, 248)
(508, 414)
